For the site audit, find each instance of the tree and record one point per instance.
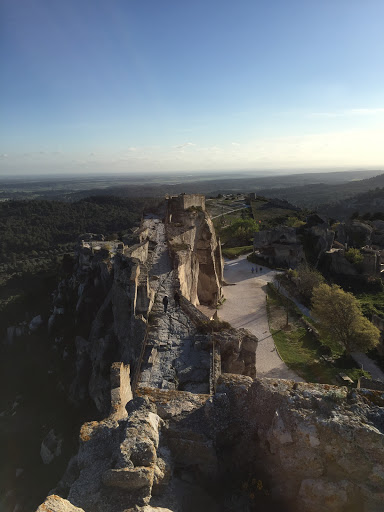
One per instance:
(242, 231)
(341, 320)
(354, 256)
(307, 279)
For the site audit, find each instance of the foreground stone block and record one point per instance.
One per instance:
(56, 504)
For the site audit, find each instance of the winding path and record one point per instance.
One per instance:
(245, 306)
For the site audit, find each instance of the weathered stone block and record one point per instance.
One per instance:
(129, 478)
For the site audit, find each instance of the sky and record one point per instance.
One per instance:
(149, 85)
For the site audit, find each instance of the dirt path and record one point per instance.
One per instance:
(245, 306)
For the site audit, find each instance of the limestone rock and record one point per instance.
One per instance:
(306, 431)
(56, 504)
(338, 264)
(238, 351)
(197, 252)
(359, 233)
(279, 247)
(320, 495)
(129, 478)
(162, 471)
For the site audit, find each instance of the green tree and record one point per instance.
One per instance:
(307, 279)
(341, 320)
(354, 256)
(241, 231)
(294, 222)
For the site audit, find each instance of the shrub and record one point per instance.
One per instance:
(354, 256)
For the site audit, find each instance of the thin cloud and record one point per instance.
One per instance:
(350, 112)
(185, 145)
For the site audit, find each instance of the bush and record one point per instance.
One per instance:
(209, 326)
(235, 252)
(354, 256)
(241, 231)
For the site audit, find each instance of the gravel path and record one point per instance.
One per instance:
(245, 306)
(368, 365)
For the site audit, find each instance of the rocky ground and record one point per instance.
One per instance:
(173, 357)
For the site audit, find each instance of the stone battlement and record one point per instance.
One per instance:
(185, 201)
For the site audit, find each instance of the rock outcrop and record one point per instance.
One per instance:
(197, 252)
(279, 247)
(289, 247)
(268, 442)
(321, 446)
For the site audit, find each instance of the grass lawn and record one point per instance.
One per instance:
(235, 252)
(300, 350)
(372, 303)
(269, 214)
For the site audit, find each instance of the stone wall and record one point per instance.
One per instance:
(185, 201)
(139, 251)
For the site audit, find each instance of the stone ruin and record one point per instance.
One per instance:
(197, 252)
(279, 247)
(187, 424)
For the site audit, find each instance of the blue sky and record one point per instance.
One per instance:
(144, 85)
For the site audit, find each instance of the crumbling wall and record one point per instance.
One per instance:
(139, 251)
(193, 200)
(183, 202)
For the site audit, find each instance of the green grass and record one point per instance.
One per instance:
(302, 352)
(372, 303)
(235, 252)
(269, 214)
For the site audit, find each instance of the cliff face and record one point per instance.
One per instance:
(196, 250)
(107, 287)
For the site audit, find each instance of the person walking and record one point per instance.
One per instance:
(165, 303)
(252, 270)
(176, 298)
